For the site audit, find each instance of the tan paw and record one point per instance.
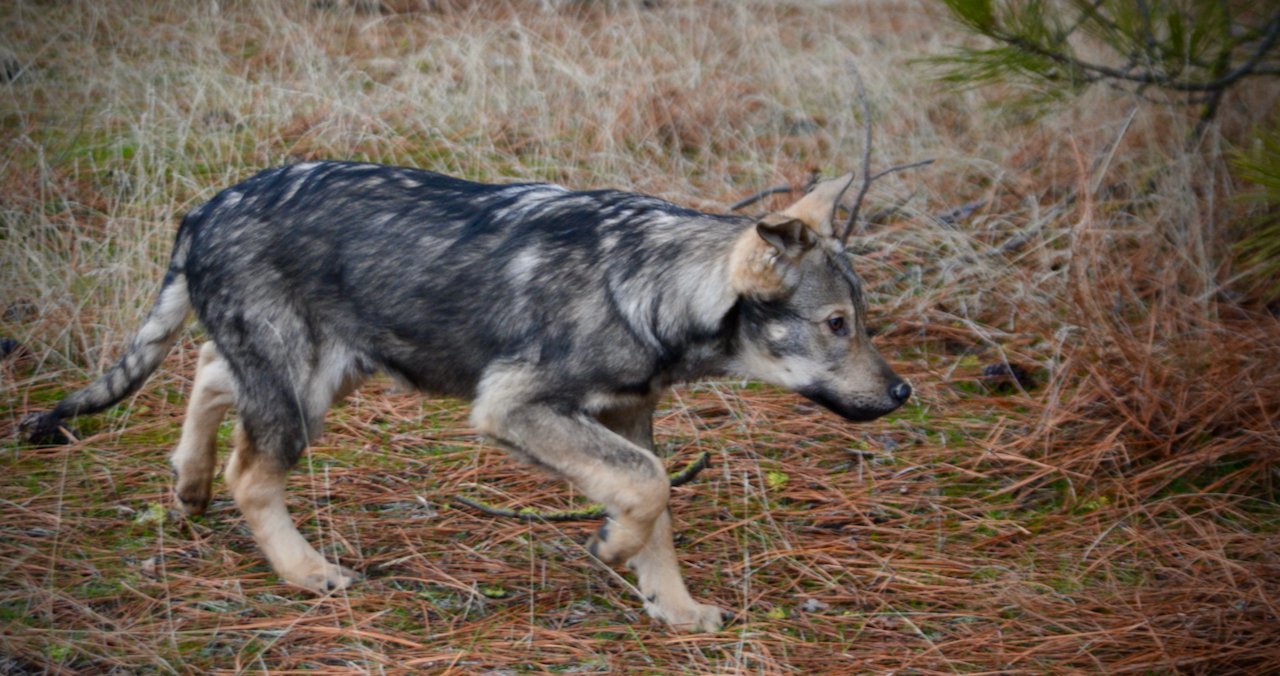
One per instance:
(694, 617)
(325, 578)
(613, 544)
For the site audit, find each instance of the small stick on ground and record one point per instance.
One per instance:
(589, 513)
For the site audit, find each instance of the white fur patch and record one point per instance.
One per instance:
(604, 401)
(337, 366)
(521, 269)
(502, 386)
(293, 188)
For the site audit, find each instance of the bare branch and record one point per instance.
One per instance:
(748, 201)
(867, 176)
(526, 514)
(588, 513)
(901, 167)
(957, 214)
(866, 159)
(691, 470)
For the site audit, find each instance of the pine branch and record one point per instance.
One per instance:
(1270, 37)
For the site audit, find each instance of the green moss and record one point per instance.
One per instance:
(987, 573)
(98, 588)
(914, 412)
(151, 436)
(16, 611)
(46, 396)
(58, 652)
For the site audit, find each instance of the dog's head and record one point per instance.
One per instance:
(802, 316)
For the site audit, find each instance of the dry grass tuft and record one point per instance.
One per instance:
(1086, 480)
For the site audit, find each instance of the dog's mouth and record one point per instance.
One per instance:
(861, 411)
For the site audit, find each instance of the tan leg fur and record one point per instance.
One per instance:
(666, 597)
(195, 457)
(656, 566)
(259, 490)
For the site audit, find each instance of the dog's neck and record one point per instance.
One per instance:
(694, 320)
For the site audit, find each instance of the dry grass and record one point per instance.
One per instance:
(1116, 514)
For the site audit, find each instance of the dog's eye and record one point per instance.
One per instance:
(838, 326)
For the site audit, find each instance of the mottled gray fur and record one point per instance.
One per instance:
(562, 315)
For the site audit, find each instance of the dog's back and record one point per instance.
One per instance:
(433, 278)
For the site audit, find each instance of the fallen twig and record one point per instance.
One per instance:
(588, 513)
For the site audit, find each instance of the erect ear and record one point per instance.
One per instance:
(814, 209)
(788, 235)
(765, 258)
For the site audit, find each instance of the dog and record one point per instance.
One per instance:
(563, 316)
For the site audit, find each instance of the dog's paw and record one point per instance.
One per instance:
(325, 578)
(694, 617)
(598, 546)
(192, 495)
(614, 544)
(193, 499)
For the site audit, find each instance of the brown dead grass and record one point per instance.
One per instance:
(1117, 513)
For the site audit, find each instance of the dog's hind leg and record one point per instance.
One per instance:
(195, 456)
(258, 481)
(656, 565)
(284, 389)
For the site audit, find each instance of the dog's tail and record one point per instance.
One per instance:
(147, 349)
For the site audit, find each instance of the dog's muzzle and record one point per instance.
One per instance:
(861, 409)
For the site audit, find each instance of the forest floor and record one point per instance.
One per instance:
(1111, 510)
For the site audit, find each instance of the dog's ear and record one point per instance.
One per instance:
(765, 259)
(787, 235)
(814, 209)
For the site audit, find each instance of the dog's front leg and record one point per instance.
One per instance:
(628, 480)
(656, 566)
(665, 596)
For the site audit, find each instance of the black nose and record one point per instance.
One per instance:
(900, 391)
